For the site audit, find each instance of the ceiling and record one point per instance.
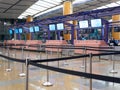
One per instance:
(89, 5)
(14, 8)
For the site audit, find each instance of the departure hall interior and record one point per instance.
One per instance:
(59, 44)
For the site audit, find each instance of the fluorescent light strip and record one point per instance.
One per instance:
(79, 1)
(41, 6)
(115, 4)
(102, 7)
(112, 5)
(57, 7)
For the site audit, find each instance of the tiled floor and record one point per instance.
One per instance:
(37, 76)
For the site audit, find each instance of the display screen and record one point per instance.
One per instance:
(31, 29)
(52, 27)
(37, 28)
(20, 30)
(60, 26)
(10, 31)
(16, 31)
(96, 23)
(116, 29)
(83, 24)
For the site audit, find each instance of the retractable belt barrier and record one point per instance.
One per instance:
(76, 73)
(71, 72)
(65, 47)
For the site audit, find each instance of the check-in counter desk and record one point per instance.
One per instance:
(29, 44)
(33, 44)
(55, 43)
(15, 43)
(89, 43)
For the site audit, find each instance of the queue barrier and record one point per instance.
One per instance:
(53, 43)
(89, 43)
(37, 63)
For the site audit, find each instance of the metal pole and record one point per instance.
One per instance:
(58, 56)
(66, 63)
(22, 74)
(113, 65)
(8, 66)
(47, 83)
(15, 51)
(85, 60)
(47, 70)
(90, 70)
(40, 52)
(27, 73)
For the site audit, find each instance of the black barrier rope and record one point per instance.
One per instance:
(65, 47)
(73, 57)
(24, 49)
(60, 59)
(12, 59)
(83, 48)
(71, 72)
(76, 73)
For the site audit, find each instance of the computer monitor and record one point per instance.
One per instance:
(96, 23)
(20, 30)
(16, 31)
(83, 24)
(10, 31)
(116, 29)
(37, 28)
(52, 27)
(60, 26)
(31, 29)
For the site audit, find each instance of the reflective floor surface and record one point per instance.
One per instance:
(37, 76)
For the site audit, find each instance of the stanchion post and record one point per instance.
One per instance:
(113, 65)
(90, 70)
(15, 51)
(22, 74)
(58, 56)
(8, 66)
(40, 52)
(27, 73)
(83, 61)
(47, 83)
(66, 63)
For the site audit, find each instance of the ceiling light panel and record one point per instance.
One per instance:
(31, 11)
(52, 2)
(102, 7)
(112, 5)
(118, 2)
(44, 3)
(57, 7)
(26, 13)
(42, 6)
(58, 1)
(80, 1)
(36, 7)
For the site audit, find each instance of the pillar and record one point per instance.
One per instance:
(67, 9)
(116, 35)
(75, 23)
(29, 19)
